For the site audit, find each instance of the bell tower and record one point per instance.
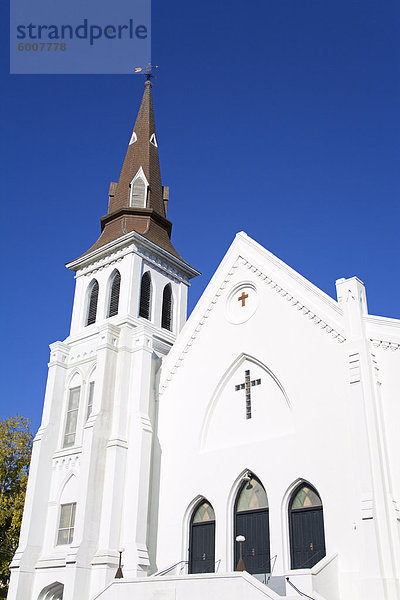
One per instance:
(90, 479)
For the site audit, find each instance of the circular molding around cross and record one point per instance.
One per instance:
(241, 303)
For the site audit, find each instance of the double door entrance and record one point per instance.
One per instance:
(202, 540)
(307, 540)
(254, 526)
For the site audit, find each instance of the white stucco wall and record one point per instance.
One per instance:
(165, 433)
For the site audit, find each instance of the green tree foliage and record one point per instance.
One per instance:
(15, 453)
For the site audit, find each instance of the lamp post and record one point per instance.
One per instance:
(118, 574)
(240, 566)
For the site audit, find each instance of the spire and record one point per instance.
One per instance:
(138, 201)
(142, 153)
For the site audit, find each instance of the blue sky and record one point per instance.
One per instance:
(276, 117)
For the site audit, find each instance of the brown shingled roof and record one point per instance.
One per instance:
(151, 221)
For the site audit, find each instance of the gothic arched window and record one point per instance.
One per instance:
(252, 521)
(145, 296)
(306, 526)
(202, 539)
(54, 591)
(166, 314)
(138, 197)
(71, 419)
(92, 302)
(114, 294)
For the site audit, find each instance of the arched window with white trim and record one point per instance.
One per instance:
(166, 313)
(93, 295)
(71, 417)
(54, 591)
(145, 296)
(113, 303)
(67, 511)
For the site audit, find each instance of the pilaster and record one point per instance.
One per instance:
(38, 488)
(94, 456)
(378, 544)
(135, 516)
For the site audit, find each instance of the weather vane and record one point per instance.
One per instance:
(148, 71)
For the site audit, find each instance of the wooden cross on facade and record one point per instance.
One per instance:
(247, 385)
(242, 298)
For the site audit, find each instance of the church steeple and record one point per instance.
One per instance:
(138, 201)
(142, 154)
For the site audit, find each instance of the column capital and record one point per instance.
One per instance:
(353, 300)
(108, 337)
(59, 352)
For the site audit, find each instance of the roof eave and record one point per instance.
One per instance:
(125, 240)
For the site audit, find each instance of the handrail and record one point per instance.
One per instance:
(168, 569)
(297, 590)
(272, 569)
(183, 563)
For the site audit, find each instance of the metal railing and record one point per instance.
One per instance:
(169, 569)
(183, 564)
(299, 591)
(274, 558)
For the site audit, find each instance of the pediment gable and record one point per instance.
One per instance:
(247, 261)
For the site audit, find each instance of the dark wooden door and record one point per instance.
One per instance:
(202, 548)
(254, 525)
(307, 537)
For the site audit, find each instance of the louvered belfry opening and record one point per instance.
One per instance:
(139, 193)
(166, 315)
(92, 308)
(145, 296)
(114, 295)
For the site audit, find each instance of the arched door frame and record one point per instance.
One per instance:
(190, 514)
(233, 502)
(187, 519)
(230, 516)
(285, 519)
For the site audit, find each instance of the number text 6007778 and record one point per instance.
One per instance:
(42, 47)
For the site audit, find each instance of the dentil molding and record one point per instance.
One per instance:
(240, 261)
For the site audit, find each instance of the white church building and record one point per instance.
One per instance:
(249, 452)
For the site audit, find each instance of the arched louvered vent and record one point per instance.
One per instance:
(166, 315)
(145, 296)
(138, 193)
(114, 295)
(92, 305)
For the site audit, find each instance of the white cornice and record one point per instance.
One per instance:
(162, 340)
(383, 321)
(287, 271)
(232, 260)
(383, 332)
(116, 249)
(385, 345)
(322, 324)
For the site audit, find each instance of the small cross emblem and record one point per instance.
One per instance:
(242, 298)
(247, 385)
